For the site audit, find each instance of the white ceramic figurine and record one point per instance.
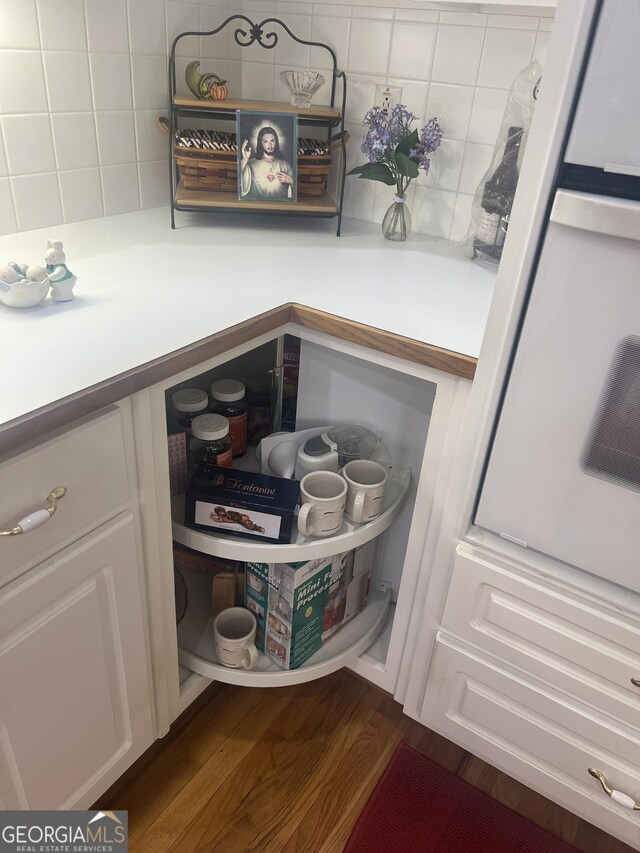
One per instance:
(61, 278)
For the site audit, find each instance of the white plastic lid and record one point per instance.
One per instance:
(190, 400)
(209, 427)
(227, 390)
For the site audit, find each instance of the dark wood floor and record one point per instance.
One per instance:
(288, 770)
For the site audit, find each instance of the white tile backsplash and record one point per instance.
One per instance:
(151, 142)
(19, 25)
(149, 74)
(107, 25)
(29, 144)
(154, 184)
(81, 193)
(412, 47)
(287, 51)
(68, 81)
(451, 105)
(111, 81)
(486, 115)
(8, 222)
(505, 54)
(62, 25)
(22, 88)
(458, 52)
(74, 140)
(369, 46)
(116, 138)
(37, 200)
(120, 189)
(91, 77)
(4, 169)
(147, 27)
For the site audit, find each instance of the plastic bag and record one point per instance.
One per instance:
(494, 197)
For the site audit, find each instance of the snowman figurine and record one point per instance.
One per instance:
(61, 278)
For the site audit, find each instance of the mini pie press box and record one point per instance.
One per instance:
(298, 606)
(241, 503)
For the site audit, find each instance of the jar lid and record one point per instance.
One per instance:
(227, 390)
(209, 427)
(190, 400)
(353, 442)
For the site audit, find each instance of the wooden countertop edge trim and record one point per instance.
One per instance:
(447, 361)
(40, 424)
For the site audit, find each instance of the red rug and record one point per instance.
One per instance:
(419, 807)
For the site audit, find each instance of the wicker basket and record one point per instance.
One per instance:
(217, 171)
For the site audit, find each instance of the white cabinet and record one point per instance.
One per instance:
(536, 734)
(76, 705)
(410, 406)
(541, 681)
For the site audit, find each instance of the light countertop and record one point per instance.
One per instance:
(144, 291)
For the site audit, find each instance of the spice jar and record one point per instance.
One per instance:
(187, 404)
(210, 445)
(229, 401)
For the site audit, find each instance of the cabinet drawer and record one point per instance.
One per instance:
(536, 735)
(89, 461)
(586, 649)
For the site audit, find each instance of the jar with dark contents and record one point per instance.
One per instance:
(210, 445)
(229, 401)
(187, 404)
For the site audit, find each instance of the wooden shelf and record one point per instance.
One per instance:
(196, 649)
(322, 113)
(322, 205)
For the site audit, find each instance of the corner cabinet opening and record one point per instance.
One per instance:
(336, 383)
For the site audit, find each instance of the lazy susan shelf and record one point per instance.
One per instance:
(301, 548)
(196, 649)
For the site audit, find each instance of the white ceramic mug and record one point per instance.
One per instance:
(366, 481)
(234, 634)
(323, 498)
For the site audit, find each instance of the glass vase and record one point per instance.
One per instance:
(396, 224)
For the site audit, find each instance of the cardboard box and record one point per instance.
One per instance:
(298, 606)
(241, 503)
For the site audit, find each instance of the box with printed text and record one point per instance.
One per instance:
(299, 606)
(254, 506)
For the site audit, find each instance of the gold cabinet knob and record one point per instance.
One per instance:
(39, 516)
(617, 796)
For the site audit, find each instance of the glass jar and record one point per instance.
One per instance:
(210, 445)
(187, 404)
(229, 401)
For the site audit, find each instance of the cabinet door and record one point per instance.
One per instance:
(75, 703)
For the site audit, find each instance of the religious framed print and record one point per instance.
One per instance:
(267, 156)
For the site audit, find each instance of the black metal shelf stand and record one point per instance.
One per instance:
(247, 33)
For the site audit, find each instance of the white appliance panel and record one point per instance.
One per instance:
(585, 303)
(606, 127)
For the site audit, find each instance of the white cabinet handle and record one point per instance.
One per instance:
(26, 525)
(620, 798)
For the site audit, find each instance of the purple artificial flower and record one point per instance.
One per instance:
(431, 136)
(386, 130)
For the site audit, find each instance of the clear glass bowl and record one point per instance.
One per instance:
(303, 85)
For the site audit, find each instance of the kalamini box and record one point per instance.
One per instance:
(241, 503)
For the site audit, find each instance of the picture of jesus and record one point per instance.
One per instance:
(266, 171)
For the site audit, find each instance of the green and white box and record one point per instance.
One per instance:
(298, 606)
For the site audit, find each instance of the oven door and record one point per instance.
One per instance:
(563, 475)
